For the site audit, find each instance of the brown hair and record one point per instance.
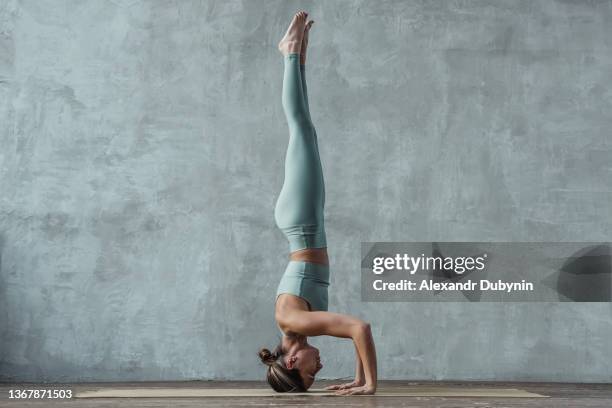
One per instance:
(281, 378)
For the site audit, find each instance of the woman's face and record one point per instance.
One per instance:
(308, 362)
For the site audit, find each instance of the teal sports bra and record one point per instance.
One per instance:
(307, 280)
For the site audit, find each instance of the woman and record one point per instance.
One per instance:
(301, 303)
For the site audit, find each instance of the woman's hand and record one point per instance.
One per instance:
(359, 376)
(352, 384)
(362, 390)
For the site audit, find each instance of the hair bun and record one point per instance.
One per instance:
(267, 357)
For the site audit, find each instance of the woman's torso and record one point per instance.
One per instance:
(287, 302)
(315, 255)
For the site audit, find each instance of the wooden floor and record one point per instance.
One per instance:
(561, 395)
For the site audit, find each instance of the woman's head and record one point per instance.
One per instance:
(291, 370)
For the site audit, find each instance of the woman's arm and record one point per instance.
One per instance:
(338, 325)
(359, 374)
(367, 352)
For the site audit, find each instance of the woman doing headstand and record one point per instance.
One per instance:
(301, 297)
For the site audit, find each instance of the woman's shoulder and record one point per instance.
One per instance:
(286, 306)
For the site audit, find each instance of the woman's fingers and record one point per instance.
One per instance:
(343, 392)
(350, 391)
(356, 391)
(341, 386)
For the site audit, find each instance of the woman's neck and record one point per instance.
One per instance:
(291, 341)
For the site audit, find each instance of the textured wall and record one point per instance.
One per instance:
(142, 153)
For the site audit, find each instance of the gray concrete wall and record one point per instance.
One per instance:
(142, 148)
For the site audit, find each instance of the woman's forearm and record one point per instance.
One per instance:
(364, 343)
(359, 374)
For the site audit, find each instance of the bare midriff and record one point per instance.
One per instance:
(315, 255)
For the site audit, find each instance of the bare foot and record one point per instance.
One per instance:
(305, 42)
(292, 41)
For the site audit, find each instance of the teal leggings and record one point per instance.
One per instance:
(299, 208)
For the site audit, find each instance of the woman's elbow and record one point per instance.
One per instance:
(362, 329)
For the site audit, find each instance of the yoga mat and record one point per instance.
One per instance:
(405, 391)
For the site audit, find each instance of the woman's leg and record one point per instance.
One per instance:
(305, 93)
(303, 52)
(299, 208)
